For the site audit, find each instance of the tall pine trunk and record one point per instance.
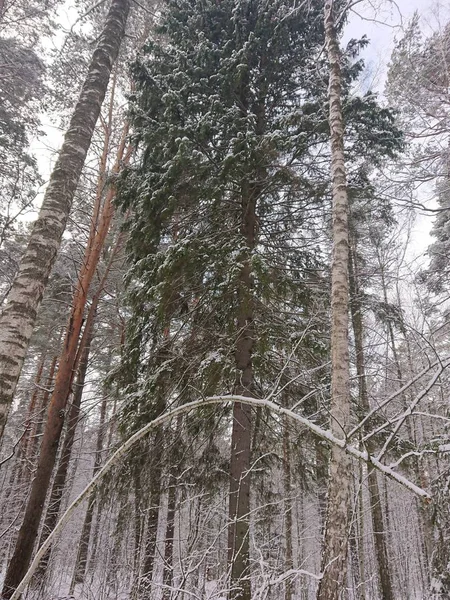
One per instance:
(334, 557)
(19, 314)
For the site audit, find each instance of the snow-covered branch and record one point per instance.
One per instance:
(126, 446)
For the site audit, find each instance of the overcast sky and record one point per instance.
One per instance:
(383, 21)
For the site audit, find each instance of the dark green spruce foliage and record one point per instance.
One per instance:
(234, 94)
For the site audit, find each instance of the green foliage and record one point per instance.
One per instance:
(232, 101)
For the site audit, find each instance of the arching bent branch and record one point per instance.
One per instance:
(322, 433)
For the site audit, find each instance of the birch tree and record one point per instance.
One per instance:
(334, 559)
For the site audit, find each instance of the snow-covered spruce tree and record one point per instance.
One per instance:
(227, 195)
(207, 191)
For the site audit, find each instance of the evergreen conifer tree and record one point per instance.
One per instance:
(227, 198)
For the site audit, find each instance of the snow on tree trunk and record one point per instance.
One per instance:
(334, 558)
(20, 310)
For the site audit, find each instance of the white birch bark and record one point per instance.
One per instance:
(19, 315)
(334, 557)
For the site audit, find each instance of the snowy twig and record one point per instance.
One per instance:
(410, 409)
(395, 395)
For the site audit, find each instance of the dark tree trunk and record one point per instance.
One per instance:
(241, 437)
(170, 532)
(287, 484)
(146, 574)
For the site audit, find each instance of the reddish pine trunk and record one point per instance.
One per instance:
(59, 482)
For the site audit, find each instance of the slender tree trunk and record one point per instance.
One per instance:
(151, 530)
(59, 482)
(36, 432)
(376, 512)
(354, 580)
(170, 532)
(321, 471)
(361, 534)
(287, 484)
(20, 310)
(334, 557)
(83, 546)
(138, 528)
(23, 448)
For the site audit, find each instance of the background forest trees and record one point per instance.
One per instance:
(234, 290)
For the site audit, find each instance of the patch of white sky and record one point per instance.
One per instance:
(47, 144)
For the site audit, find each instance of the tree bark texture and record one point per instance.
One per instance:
(241, 436)
(332, 585)
(20, 310)
(170, 532)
